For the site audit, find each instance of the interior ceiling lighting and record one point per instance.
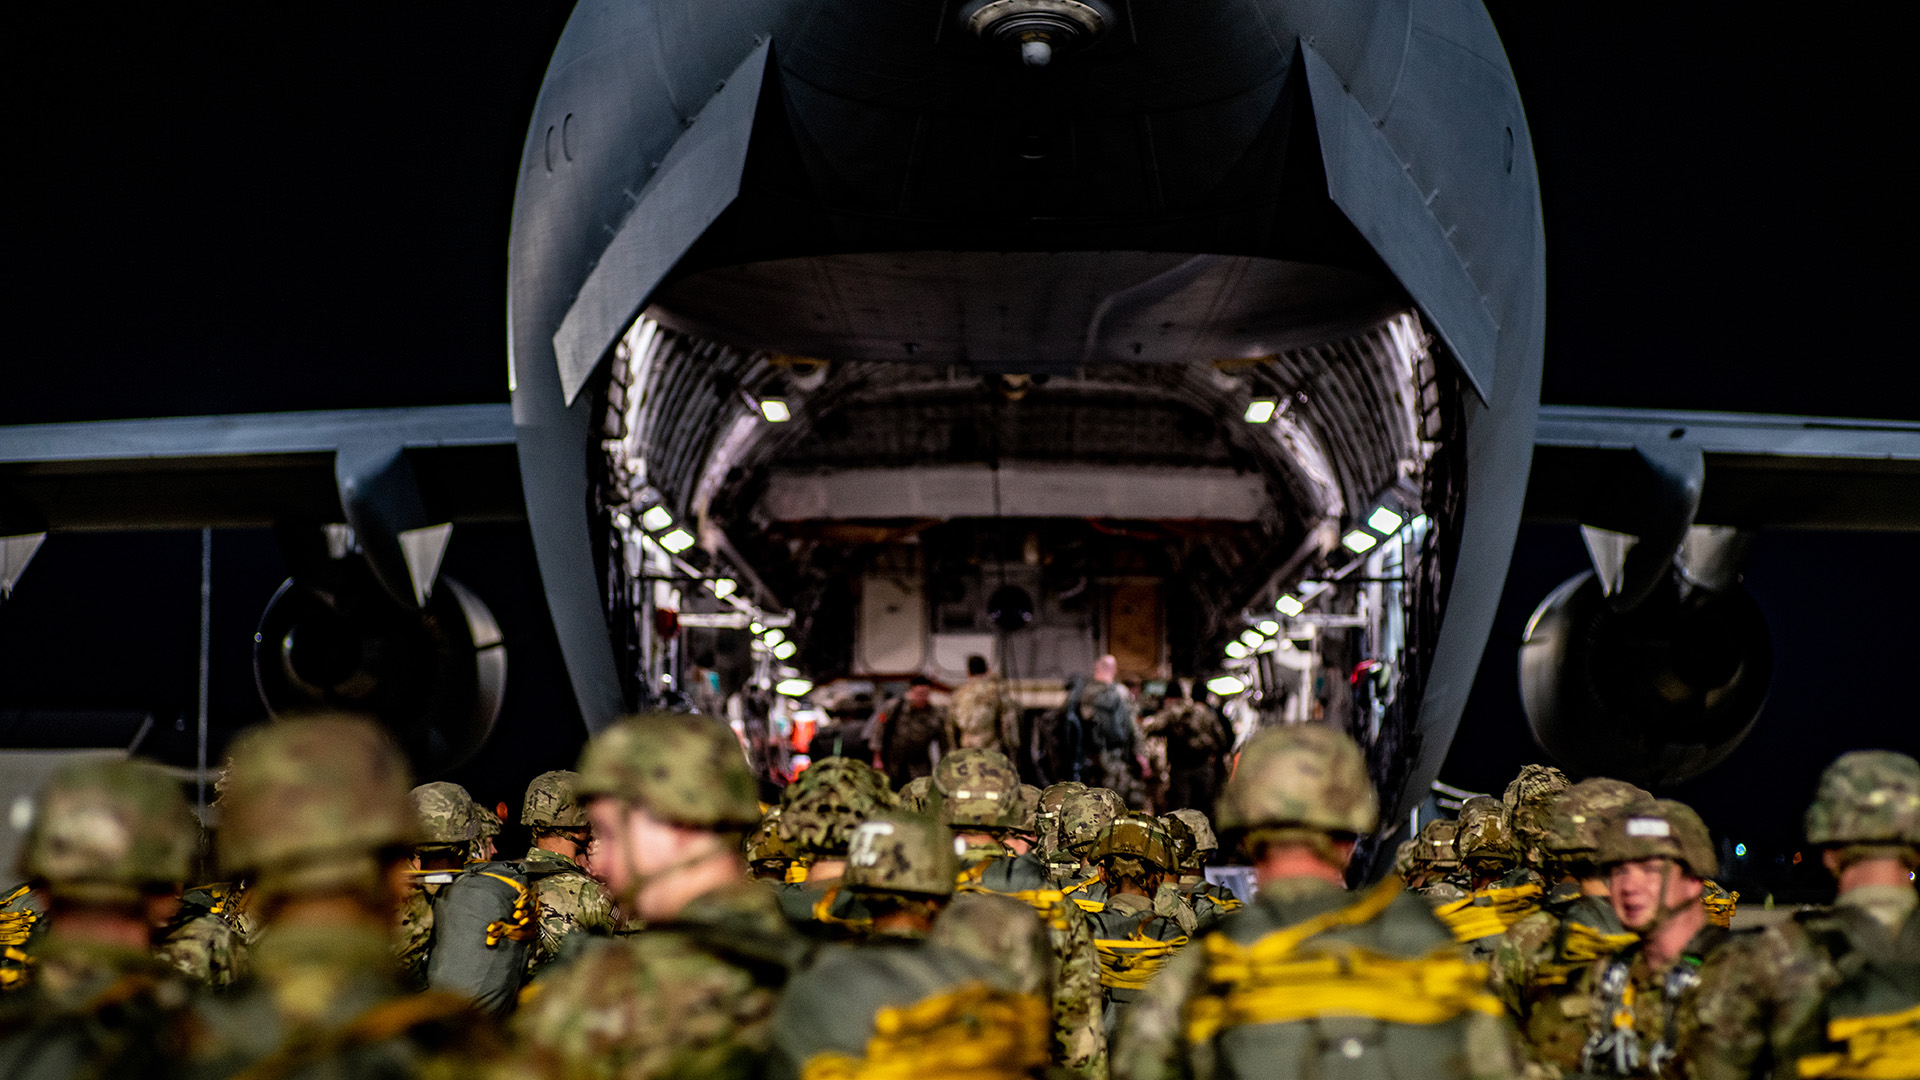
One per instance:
(1385, 522)
(723, 587)
(1289, 606)
(792, 687)
(1251, 638)
(1236, 650)
(757, 627)
(775, 637)
(677, 541)
(1358, 541)
(1269, 628)
(1226, 685)
(1422, 521)
(623, 521)
(785, 650)
(775, 410)
(656, 518)
(1260, 410)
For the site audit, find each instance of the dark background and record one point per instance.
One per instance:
(233, 211)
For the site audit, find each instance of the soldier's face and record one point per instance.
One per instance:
(1642, 888)
(918, 696)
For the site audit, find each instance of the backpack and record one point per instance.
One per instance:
(484, 925)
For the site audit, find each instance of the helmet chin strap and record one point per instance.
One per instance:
(1662, 911)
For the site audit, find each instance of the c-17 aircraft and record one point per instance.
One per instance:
(1205, 335)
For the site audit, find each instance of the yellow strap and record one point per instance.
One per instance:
(15, 895)
(1129, 963)
(1093, 906)
(518, 923)
(796, 873)
(1883, 1047)
(1489, 911)
(823, 912)
(1584, 944)
(1076, 888)
(1720, 909)
(1049, 904)
(973, 1032)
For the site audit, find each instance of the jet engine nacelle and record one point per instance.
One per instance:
(1653, 695)
(436, 676)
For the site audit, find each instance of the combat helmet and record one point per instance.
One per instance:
(102, 831)
(1867, 798)
(768, 853)
(1434, 848)
(1528, 802)
(1180, 835)
(819, 811)
(487, 819)
(1047, 820)
(915, 795)
(448, 815)
(1654, 829)
(1483, 836)
(1204, 842)
(1579, 814)
(553, 802)
(684, 769)
(1029, 810)
(1134, 845)
(1084, 815)
(909, 854)
(315, 802)
(979, 791)
(1303, 776)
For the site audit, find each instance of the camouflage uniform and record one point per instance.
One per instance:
(909, 740)
(1309, 980)
(449, 823)
(312, 807)
(1633, 1014)
(210, 939)
(1834, 991)
(1134, 940)
(818, 813)
(1047, 824)
(1193, 844)
(1436, 861)
(902, 1005)
(1115, 735)
(1528, 805)
(1487, 849)
(103, 833)
(982, 715)
(1196, 744)
(570, 900)
(1537, 966)
(688, 996)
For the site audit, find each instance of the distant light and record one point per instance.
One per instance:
(623, 521)
(723, 587)
(1269, 628)
(1358, 541)
(1260, 410)
(1286, 644)
(1237, 650)
(1289, 606)
(656, 518)
(1740, 850)
(1385, 522)
(775, 410)
(792, 687)
(1422, 521)
(785, 650)
(755, 627)
(1252, 638)
(677, 541)
(775, 637)
(1226, 685)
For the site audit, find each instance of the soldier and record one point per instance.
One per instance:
(769, 854)
(1047, 822)
(450, 827)
(1436, 862)
(1656, 854)
(1527, 803)
(914, 736)
(818, 813)
(1107, 713)
(110, 844)
(1197, 743)
(1194, 845)
(1502, 892)
(693, 993)
(1538, 964)
(213, 933)
(1025, 836)
(1834, 991)
(570, 900)
(980, 800)
(1133, 855)
(901, 1005)
(316, 811)
(981, 714)
(487, 823)
(1309, 980)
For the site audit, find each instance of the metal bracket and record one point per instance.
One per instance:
(380, 495)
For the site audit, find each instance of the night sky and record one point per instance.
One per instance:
(249, 212)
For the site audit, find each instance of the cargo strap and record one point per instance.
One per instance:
(1489, 911)
(519, 924)
(1049, 904)
(1129, 963)
(1720, 908)
(823, 912)
(974, 1032)
(16, 926)
(1092, 906)
(796, 872)
(1584, 944)
(1884, 1047)
(1269, 982)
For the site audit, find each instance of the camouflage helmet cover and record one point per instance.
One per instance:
(979, 789)
(1867, 797)
(820, 809)
(902, 853)
(1139, 836)
(1483, 833)
(1203, 838)
(553, 801)
(486, 819)
(1180, 834)
(1579, 814)
(680, 768)
(1085, 814)
(1301, 775)
(1054, 796)
(1655, 829)
(1528, 802)
(311, 790)
(1434, 847)
(766, 842)
(916, 794)
(448, 815)
(109, 827)
(1029, 809)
